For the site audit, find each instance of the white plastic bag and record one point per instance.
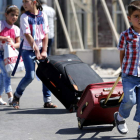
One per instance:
(10, 58)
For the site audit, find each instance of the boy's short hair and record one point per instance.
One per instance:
(134, 5)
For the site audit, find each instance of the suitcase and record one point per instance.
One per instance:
(66, 76)
(98, 103)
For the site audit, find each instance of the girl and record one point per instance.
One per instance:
(34, 31)
(11, 34)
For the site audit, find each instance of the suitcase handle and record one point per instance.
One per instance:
(118, 79)
(83, 108)
(38, 61)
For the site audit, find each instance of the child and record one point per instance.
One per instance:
(129, 46)
(7, 28)
(34, 30)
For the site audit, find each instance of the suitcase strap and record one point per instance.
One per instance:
(115, 84)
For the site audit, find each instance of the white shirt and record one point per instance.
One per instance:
(25, 28)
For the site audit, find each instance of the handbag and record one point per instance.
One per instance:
(10, 58)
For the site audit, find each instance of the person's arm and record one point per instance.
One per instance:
(33, 45)
(25, 30)
(17, 42)
(5, 39)
(45, 40)
(45, 46)
(122, 53)
(121, 46)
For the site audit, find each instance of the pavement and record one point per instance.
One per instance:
(33, 122)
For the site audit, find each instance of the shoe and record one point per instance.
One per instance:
(49, 105)
(2, 102)
(121, 125)
(10, 100)
(15, 102)
(138, 134)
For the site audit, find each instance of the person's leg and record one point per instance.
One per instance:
(129, 100)
(50, 42)
(28, 78)
(1, 90)
(137, 114)
(47, 98)
(1, 84)
(5, 80)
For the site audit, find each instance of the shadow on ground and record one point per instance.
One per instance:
(35, 111)
(96, 130)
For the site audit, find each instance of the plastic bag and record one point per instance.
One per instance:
(10, 58)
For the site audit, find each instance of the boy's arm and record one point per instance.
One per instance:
(122, 53)
(44, 48)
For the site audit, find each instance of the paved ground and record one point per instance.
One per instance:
(33, 122)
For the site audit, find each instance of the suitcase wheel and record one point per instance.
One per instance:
(80, 126)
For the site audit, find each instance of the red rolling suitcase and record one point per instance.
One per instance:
(98, 103)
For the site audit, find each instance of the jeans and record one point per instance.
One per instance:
(50, 42)
(5, 79)
(29, 76)
(131, 88)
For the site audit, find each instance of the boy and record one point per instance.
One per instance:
(129, 46)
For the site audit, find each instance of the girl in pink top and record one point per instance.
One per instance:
(11, 34)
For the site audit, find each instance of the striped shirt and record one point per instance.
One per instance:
(130, 43)
(37, 26)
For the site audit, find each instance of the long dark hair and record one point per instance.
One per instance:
(38, 5)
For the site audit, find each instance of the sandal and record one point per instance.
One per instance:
(49, 105)
(15, 102)
(2, 102)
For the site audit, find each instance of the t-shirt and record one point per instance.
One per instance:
(12, 31)
(37, 26)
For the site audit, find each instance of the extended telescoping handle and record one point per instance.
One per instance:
(118, 79)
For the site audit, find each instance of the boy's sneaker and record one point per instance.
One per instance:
(138, 134)
(121, 125)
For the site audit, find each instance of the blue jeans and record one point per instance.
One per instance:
(131, 88)
(5, 79)
(29, 76)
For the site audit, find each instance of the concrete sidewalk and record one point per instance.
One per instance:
(33, 122)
